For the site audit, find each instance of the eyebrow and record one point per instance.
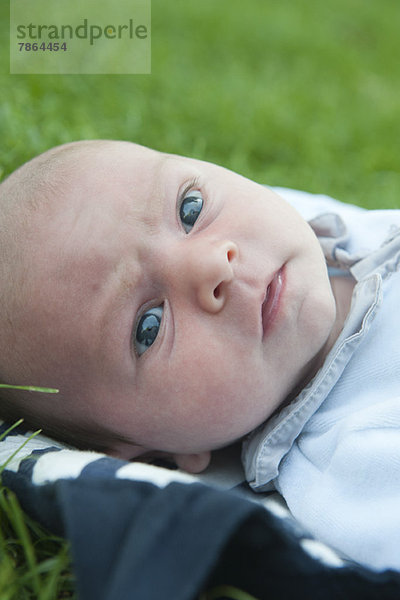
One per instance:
(150, 218)
(120, 309)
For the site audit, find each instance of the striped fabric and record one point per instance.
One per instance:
(143, 531)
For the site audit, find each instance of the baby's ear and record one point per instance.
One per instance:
(193, 463)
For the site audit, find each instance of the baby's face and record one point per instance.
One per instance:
(182, 302)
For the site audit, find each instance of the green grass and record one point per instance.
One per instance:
(33, 563)
(299, 93)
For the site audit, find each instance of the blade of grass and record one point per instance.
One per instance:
(16, 424)
(7, 570)
(33, 562)
(225, 592)
(54, 567)
(26, 542)
(29, 388)
(9, 459)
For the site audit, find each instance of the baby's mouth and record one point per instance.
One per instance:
(271, 303)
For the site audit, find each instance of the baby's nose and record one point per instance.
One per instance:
(209, 271)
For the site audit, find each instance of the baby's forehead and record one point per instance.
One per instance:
(74, 174)
(74, 157)
(90, 186)
(98, 165)
(47, 180)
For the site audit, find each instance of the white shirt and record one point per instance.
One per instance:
(334, 452)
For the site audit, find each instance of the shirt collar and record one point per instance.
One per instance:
(265, 447)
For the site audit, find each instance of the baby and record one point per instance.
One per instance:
(173, 303)
(177, 306)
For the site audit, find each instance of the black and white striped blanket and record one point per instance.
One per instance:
(147, 532)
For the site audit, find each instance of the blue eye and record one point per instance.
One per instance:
(147, 329)
(190, 209)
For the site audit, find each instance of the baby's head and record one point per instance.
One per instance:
(173, 303)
